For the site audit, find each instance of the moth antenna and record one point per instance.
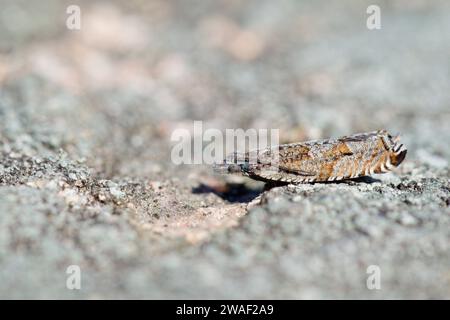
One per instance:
(396, 138)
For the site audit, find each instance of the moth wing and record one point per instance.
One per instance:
(274, 175)
(358, 137)
(292, 157)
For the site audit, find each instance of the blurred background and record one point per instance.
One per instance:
(86, 177)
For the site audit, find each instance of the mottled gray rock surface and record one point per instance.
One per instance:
(85, 171)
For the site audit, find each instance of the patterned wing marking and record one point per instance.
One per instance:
(292, 160)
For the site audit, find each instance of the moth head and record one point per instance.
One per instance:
(397, 151)
(233, 163)
(239, 168)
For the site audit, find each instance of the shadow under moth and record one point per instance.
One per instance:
(348, 157)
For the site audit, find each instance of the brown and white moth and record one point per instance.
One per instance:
(348, 157)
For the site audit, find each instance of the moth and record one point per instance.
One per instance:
(348, 157)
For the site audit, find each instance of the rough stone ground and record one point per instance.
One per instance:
(85, 172)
